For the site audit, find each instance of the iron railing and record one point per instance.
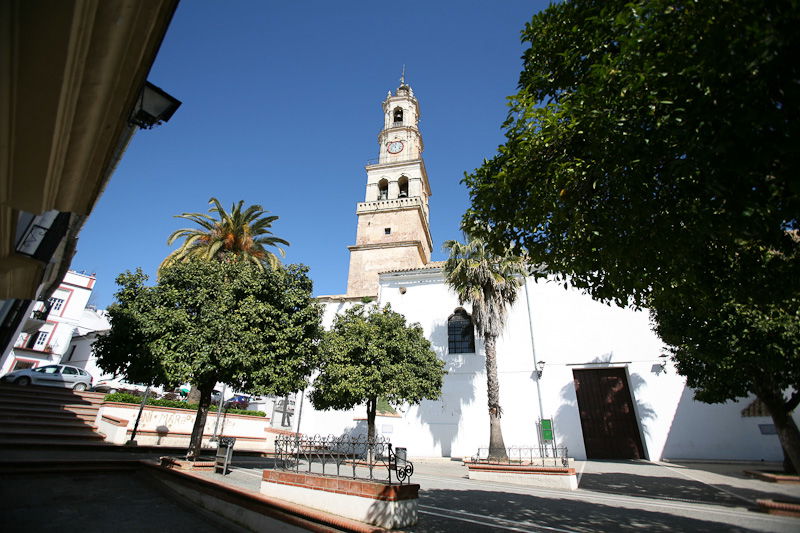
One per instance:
(524, 455)
(348, 456)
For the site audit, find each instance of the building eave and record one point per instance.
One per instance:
(71, 74)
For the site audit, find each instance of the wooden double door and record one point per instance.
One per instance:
(608, 420)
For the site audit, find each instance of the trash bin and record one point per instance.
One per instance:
(400, 457)
(224, 454)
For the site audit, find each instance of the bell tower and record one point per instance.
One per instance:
(393, 222)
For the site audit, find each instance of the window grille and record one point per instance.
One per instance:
(460, 333)
(41, 338)
(56, 303)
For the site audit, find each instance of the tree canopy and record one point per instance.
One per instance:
(209, 321)
(241, 234)
(372, 353)
(645, 135)
(651, 159)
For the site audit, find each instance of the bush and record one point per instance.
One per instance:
(125, 397)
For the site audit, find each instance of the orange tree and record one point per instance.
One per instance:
(651, 158)
(209, 321)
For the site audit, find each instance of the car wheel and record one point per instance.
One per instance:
(112, 391)
(79, 387)
(23, 381)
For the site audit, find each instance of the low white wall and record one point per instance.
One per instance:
(388, 514)
(566, 481)
(166, 426)
(114, 430)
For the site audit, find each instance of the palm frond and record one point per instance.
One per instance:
(241, 233)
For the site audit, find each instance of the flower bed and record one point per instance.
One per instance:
(125, 397)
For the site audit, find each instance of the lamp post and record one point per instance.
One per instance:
(132, 442)
(215, 437)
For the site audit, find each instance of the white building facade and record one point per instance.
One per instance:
(47, 332)
(595, 370)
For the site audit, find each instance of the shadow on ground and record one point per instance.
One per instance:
(484, 511)
(673, 488)
(123, 502)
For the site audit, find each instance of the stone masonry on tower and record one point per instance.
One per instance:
(393, 220)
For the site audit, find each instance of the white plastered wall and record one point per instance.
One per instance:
(570, 331)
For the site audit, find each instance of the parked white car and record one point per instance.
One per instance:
(65, 376)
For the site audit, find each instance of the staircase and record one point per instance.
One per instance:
(48, 416)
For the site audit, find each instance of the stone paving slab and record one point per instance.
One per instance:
(634, 495)
(123, 502)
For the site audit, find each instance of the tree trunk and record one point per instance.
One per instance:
(497, 448)
(371, 408)
(194, 395)
(788, 467)
(196, 441)
(787, 430)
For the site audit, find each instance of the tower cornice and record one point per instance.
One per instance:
(398, 204)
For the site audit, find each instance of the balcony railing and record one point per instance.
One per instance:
(393, 203)
(37, 317)
(41, 310)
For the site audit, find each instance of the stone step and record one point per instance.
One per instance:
(25, 403)
(50, 422)
(46, 398)
(85, 433)
(37, 414)
(46, 442)
(49, 413)
(50, 392)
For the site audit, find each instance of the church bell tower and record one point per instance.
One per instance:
(393, 220)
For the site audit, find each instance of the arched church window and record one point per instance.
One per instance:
(460, 332)
(398, 115)
(383, 189)
(403, 184)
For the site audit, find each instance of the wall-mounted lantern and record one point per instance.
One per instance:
(153, 107)
(539, 369)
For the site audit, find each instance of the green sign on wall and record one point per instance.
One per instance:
(546, 426)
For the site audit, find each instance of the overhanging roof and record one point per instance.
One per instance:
(70, 73)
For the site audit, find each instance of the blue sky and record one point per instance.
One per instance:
(281, 107)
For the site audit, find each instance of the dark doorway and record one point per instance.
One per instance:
(610, 430)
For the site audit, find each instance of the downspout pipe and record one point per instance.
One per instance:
(533, 350)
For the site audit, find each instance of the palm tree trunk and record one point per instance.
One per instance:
(196, 440)
(497, 448)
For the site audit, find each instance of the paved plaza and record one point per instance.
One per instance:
(613, 496)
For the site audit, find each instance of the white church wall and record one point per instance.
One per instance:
(720, 432)
(571, 331)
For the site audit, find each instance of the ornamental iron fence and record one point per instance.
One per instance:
(351, 456)
(524, 455)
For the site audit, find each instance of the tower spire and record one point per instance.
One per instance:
(403, 76)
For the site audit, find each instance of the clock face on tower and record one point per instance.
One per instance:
(394, 147)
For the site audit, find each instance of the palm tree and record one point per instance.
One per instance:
(489, 282)
(240, 234)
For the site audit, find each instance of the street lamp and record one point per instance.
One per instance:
(153, 107)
